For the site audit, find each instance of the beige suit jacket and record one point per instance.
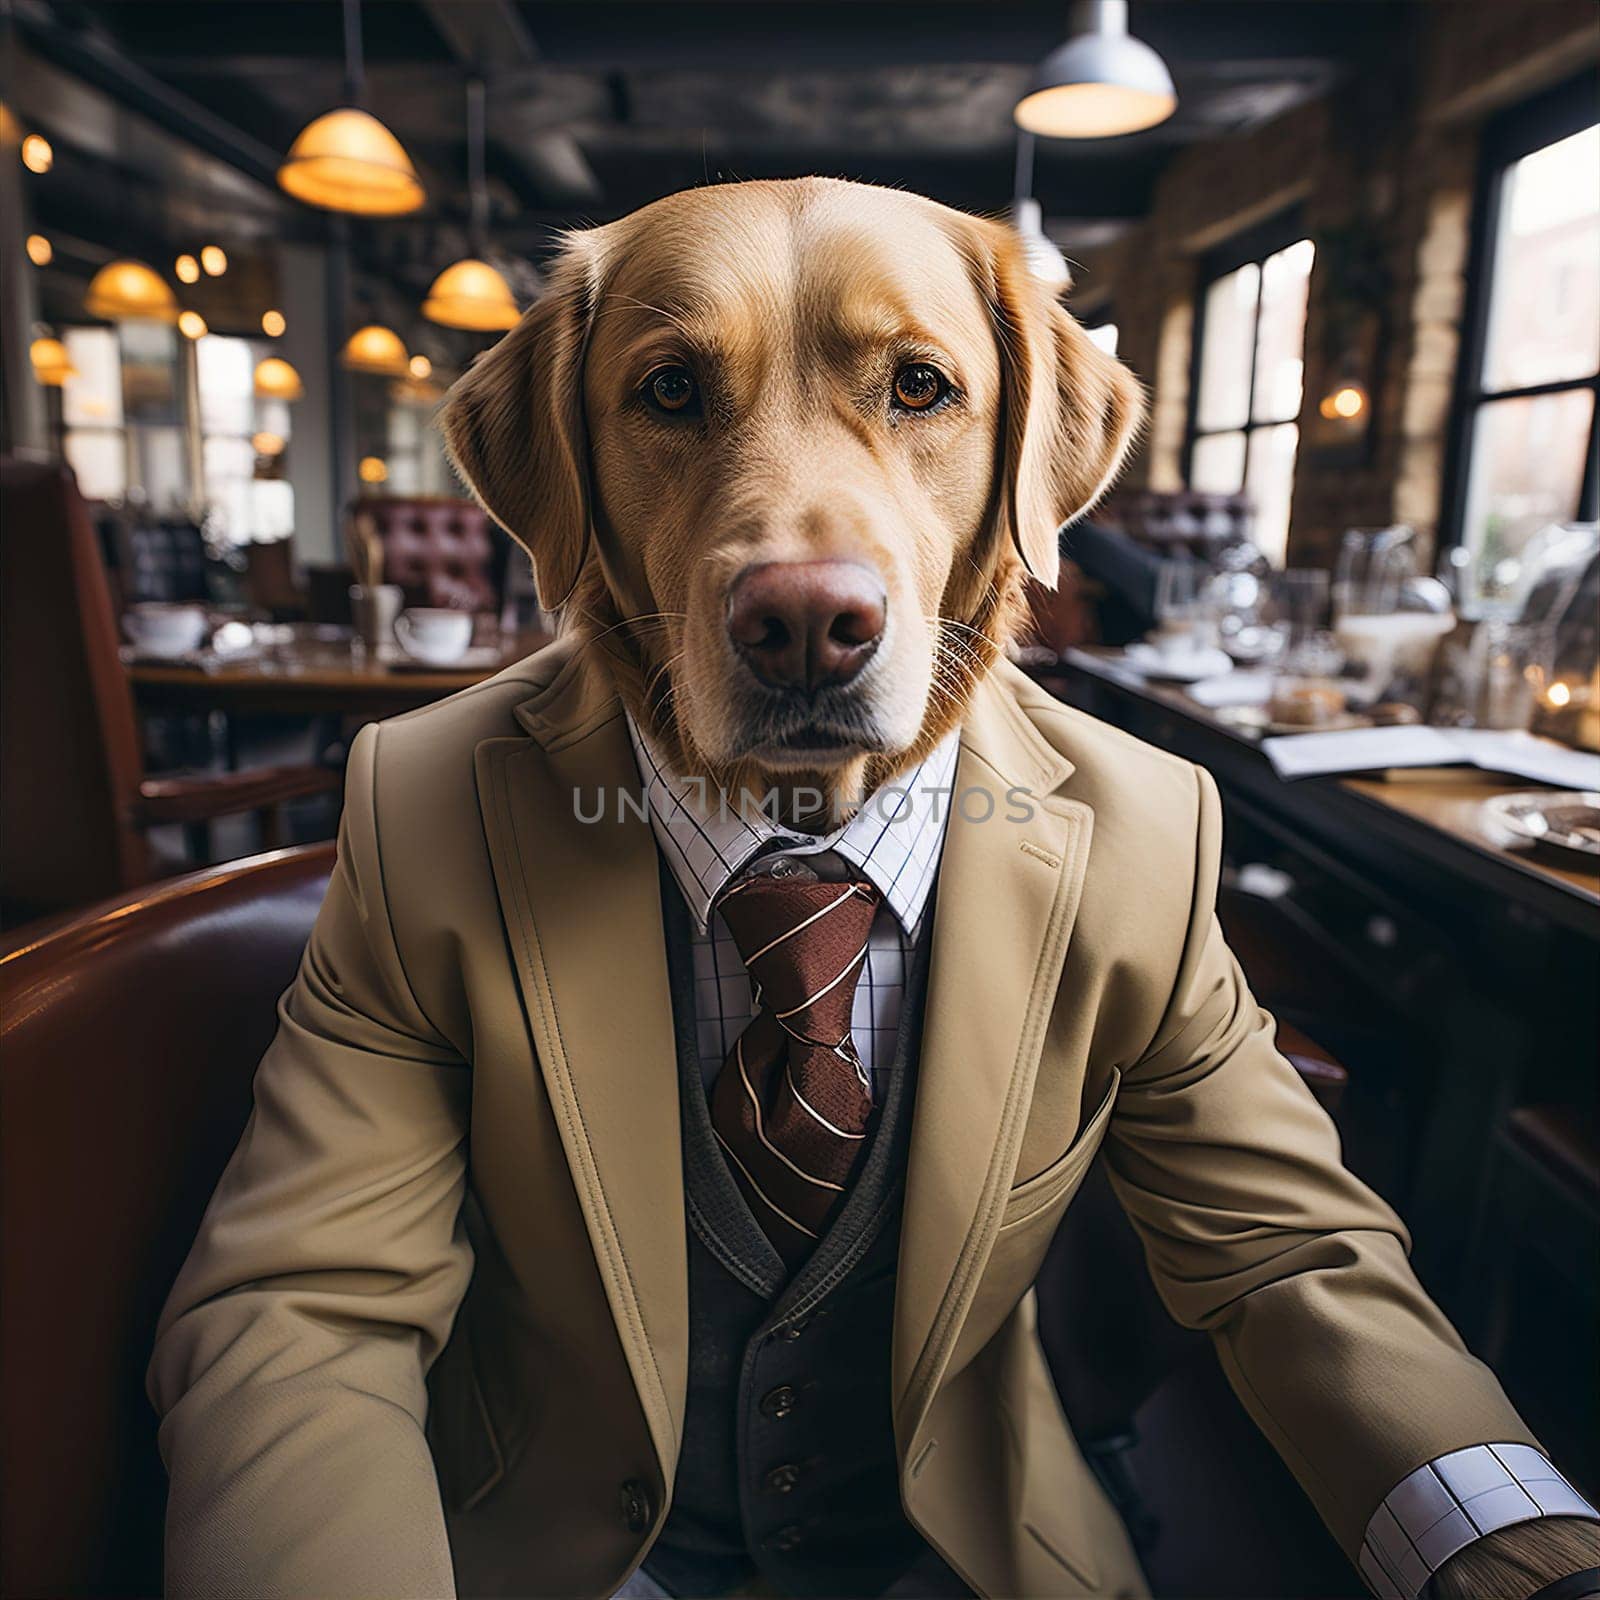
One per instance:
(434, 1329)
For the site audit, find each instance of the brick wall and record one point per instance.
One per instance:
(1390, 157)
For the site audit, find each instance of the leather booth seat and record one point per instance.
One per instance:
(129, 1038)
(436, 547)
(1183, 520)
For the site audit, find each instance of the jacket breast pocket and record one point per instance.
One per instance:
(1057, 1183)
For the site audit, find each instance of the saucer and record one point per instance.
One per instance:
(1189, 667)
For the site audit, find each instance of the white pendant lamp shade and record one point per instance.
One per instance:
(129, 291)
(1101, 83)
(1045, 260)
(471, 295)
(377, 350)
(348, 161)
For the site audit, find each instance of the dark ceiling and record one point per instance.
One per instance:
(597, 107)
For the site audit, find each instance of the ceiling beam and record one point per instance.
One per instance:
(490, 38)
(94, 58)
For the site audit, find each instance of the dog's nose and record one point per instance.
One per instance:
(806, 624)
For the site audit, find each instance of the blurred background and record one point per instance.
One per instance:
(1352, 249)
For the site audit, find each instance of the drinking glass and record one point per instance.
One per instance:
(1510, 666)
(1183, 614)
(1373, 565)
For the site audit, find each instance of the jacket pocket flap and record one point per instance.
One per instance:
(1044, 1187)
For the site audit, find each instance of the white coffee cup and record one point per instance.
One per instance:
(162, 628)
(434, 635)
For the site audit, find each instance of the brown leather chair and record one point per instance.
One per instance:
(128, 1040)
(75, 805)
(438, 549)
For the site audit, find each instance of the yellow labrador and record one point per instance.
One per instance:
(788, 450)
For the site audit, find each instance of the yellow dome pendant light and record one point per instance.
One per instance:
(129, 291)
(52, 366)
(1099, 84)
(470, 294)
(346, 160)
(377, 350)
(275, 379)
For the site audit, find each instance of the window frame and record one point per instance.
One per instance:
(1249, 247)
(1519, 131)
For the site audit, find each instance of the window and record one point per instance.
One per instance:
(1523, 452)
(246, 503)
(93, 440)
(122, 428)
(1248, 367)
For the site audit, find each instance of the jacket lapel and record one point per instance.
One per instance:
(582, 909)
(1008, 893)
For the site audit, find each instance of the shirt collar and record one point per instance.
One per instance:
(895, 839)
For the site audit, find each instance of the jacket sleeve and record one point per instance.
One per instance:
(290, 1361)
(1254, 1231)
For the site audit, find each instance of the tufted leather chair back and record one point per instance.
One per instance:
(1181, 520)
(436, 547)
(129, 1038)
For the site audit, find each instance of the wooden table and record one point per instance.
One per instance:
(1485, 953)
(1436, 814)
(315, 671)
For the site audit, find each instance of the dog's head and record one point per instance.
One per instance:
(787, 450)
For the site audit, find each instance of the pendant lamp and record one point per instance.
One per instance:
(377, 350)
(470, 294)
(52, 366)
(129, 291)
(1044, 258)
(277, 380)
(1100, 83)
(346, 160)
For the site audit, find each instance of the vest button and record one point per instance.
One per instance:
(786, 1539)
(778, 1402)
(634, 1500)
(782, 1479)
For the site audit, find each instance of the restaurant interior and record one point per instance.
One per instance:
(1351, 250)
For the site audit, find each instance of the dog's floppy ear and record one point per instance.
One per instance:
(1069, 412)
(514, 425)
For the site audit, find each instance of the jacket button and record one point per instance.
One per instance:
(793, 1330)
(782, 1479)
(786, 1539)
(634, 1500)
(778, 1402)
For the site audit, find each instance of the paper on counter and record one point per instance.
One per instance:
(1526, 756)
(1309, 755)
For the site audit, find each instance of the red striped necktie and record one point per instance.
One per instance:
(791, 1106)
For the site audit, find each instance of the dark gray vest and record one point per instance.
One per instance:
(788, 1463)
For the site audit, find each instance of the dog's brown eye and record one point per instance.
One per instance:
(672, 389)
(919, 387)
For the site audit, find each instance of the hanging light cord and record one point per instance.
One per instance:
(476, 185)
(1023, 187)
(354, 73)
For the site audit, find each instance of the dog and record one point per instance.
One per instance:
(822, 433)
(784, 456)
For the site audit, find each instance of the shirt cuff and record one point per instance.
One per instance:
(1454, 1501)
